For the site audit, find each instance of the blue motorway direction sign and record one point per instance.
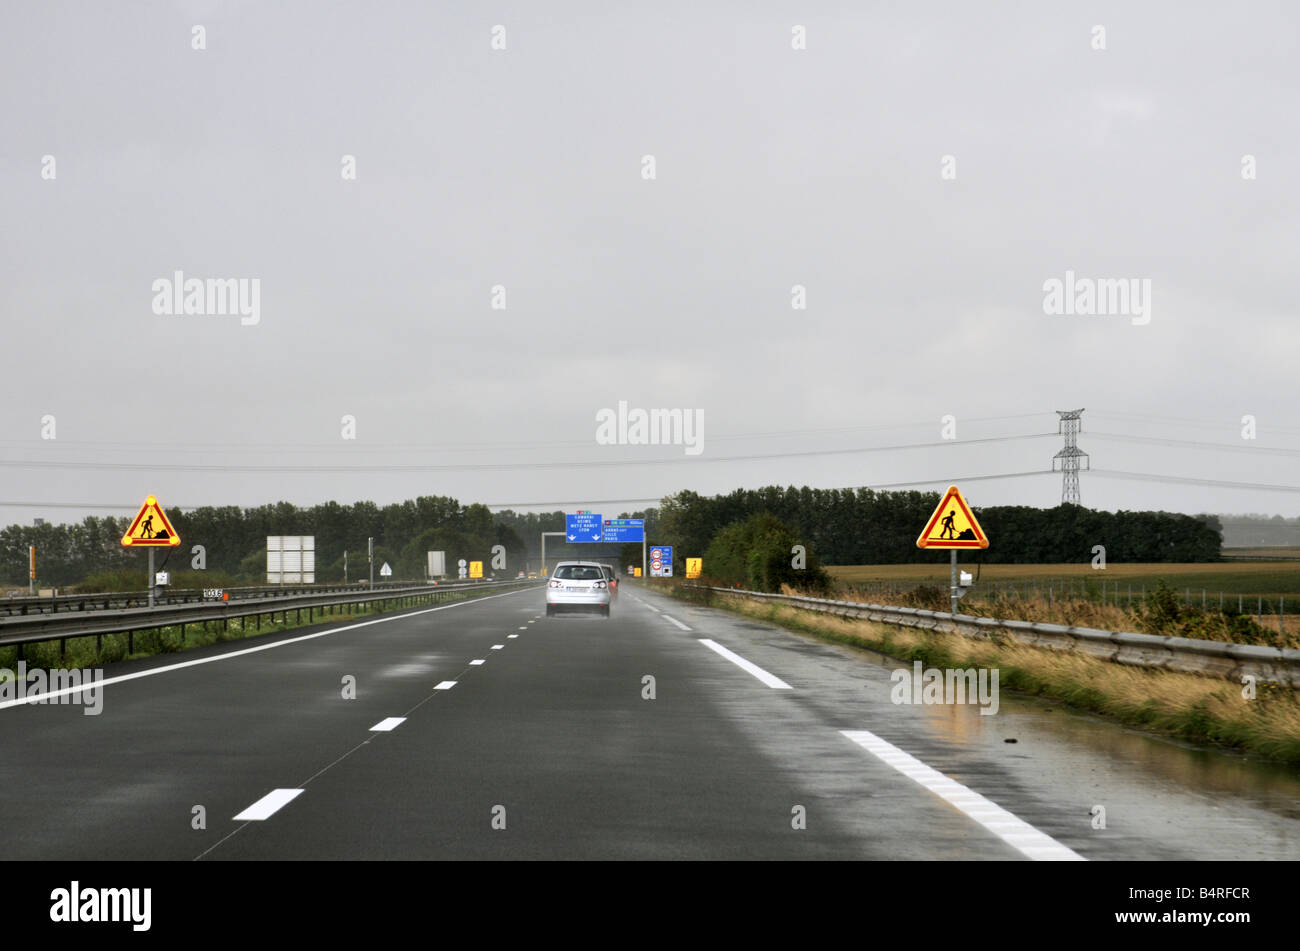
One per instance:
(624, 529)
(582, 527)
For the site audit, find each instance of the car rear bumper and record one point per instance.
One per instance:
(577, 598)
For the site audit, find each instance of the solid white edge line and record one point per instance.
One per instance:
(445, 685)
(268, 805)
(675, 621)
(1011, 829)
(387, 725)
(776, 683)
(122, 678)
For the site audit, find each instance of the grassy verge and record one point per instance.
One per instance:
(1187, 706)
(1162, 612)
(82, 652)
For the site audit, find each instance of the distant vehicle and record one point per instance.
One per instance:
(578, 585)
(532, 574)
(612, 577)
(521, 574)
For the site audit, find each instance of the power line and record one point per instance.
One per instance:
(1197, 444)
(947, 480)
(1190, 480)
(1218, 424)
(356, 447)
(491, 467)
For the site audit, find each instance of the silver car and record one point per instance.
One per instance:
(579, 586)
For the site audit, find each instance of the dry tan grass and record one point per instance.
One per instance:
(1079, 572)
(1072, 611)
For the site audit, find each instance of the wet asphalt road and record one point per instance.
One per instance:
(757, 744)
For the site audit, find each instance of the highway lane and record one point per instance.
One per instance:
(554, 729)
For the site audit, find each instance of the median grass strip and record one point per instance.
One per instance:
(82, 651)
(1188, 706)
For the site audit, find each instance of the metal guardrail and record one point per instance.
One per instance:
(34, 628)
(104, 601)
(1185, 654)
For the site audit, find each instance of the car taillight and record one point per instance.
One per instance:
(554, 584)
(599, 584)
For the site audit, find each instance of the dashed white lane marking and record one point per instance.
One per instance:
(268, 805)
(776, 683)
(1017, 833)
(523, 627)
(445, 685)
(677, 622)
(508, 636)
(475, 663)
(387, 725)
(497, 647)
(247, 650)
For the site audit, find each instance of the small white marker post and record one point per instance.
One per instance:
(953, 589)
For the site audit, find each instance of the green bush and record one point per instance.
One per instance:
(119, 579)
(1164, 615)
(756, 553)
(928, 597)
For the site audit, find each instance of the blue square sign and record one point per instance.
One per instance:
(661, 561)
(624, 529)
(582, 527)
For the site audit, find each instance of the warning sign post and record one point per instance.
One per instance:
(953, 526)
(150, 529)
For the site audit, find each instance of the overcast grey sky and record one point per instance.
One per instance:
(523, 167)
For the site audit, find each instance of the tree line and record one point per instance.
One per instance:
(233, 540)
(841, 526)
(865, 526)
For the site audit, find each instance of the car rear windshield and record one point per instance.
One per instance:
(579, 573)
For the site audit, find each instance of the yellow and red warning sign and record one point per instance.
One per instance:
(952, 525)
(150, 528)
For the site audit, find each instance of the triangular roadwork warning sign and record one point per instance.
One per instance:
(952, 525)
(150, 528)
